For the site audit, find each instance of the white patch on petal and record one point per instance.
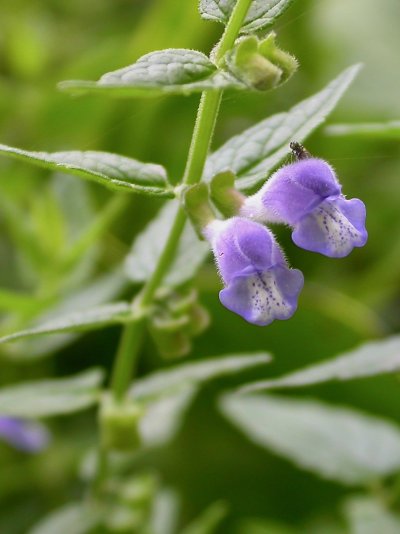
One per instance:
(266, 300)
(341, 236)
(254, 208)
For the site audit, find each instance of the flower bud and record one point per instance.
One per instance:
(260, 64)
(199, 320)
(180, 302)
(285, 61)
(170, 337)
(119, 424)
(224, 195)
(176, 318)
(139, 491)
(198, 208)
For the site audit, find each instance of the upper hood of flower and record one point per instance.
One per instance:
(293, 192)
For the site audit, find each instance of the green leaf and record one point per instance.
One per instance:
(44, 398)
(252, 154)
(386, 130)
(169, 394)
(17, 301)
(375, 358)
(79, 321)
(209, 520)
(73, 518)
(336, 443)
(165, 512)
(111, 170)
(369, 516)
(170, 71)
(148, 246)
(103, 289)
(195, 373)
(163, 416)
(262, 13)
(262, 526)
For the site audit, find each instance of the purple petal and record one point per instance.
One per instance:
(293, 192)
(238, 243)
(261, 297)
(24, 435)
(334, 228)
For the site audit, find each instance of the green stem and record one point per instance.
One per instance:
(164, 260)
(232, 29)
(201, 139)
(126, 357)
(202, 135)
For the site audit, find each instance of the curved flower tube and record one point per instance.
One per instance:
(307, 196)
(24, 435)
(259, 286)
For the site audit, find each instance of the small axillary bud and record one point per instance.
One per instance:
(260, 64)
(226, 198)
(119, 424)
(170, 337)
(177, 318)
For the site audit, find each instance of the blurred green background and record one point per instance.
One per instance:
(344, 302)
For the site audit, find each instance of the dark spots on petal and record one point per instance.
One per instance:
(339, 233)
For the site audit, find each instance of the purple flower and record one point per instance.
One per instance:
(24, 435)
(307, 196)
(259, 285)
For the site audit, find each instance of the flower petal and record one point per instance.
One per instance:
(26, 436)
(262, 297)
(239, 243)
(334, 228)
(293, 192)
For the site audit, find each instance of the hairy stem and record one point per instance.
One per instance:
(201, 139)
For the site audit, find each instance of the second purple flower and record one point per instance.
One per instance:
(28, 436)
(259, 285)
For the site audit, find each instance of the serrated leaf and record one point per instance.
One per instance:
(336, 443)
(252, 154)
(73, 518)
(79, 321)
(262, 13)
(44, 398)
(386, 130)
(148, 246)
(368, 516)
(111, 170)
(371, 359)
(170, 71)
(195, 373)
